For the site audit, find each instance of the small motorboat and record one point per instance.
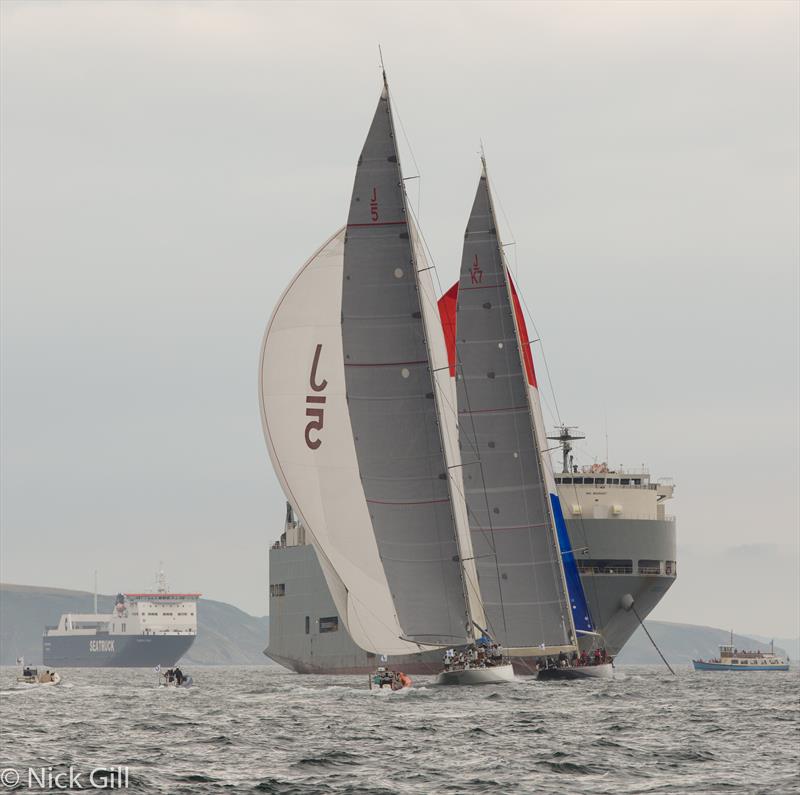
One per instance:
(394, 680)
(187, 682)
(31, 676)
(174, 678)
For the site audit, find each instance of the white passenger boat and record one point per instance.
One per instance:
(734, 659)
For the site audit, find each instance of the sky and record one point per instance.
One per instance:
(167, 168)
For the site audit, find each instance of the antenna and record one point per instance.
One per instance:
(565, 437)
(383, 68)
(161, 580)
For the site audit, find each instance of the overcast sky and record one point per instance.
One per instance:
(167, 167)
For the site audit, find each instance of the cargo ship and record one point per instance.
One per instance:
(623, 539)
(143, 630)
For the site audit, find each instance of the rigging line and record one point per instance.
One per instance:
(520, 295)
(445, 399)
(557, 562)
(410, 151)
(544, 355)
(636, 613)
(505, 218)
(490, 539)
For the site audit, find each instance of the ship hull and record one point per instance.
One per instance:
(709, 666)
(114, 651)
(297, 643)
(603, 671)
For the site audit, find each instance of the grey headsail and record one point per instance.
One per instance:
(392, 401)
(511, 524)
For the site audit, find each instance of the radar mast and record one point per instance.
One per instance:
(565, 438)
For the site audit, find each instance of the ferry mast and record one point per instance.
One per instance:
(565, 438)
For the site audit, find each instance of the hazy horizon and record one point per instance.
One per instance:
(167, 167)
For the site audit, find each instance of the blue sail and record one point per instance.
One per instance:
(577, 596)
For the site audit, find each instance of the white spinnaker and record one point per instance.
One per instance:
(313, 454)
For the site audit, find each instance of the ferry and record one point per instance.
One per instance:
(143, 630)
(732, 659)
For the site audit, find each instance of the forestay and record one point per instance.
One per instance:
(510, 512)
(405, 457)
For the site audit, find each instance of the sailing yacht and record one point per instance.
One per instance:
(532, 593)
(358, 415)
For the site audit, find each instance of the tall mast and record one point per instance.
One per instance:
(567, 618)
(474, 613)
(95, 591)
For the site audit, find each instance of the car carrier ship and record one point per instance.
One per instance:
(622, 536)
(143, 630)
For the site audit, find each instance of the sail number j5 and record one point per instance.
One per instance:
(315, 410)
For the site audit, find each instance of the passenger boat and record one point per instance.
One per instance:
(733, 659)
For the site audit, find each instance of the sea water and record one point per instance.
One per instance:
(265, 730)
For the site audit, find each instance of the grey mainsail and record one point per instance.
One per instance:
(511, 524)
(392, 400)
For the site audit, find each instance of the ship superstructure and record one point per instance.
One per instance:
(143, 629)
(621, 535)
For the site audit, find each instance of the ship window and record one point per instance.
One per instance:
(577, 480)
(588, 480)
(637, 481)
(329, 624)
(624, 481)
(277, 589)
(600, 481)
(558, 480)
(615, 481)
(123, 627)
(308, 625)
(649, 567)
(671, 567)
(604, 566)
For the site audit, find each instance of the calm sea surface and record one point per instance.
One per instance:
(263, 730)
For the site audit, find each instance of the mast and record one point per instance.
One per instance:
(565, 438)
(95, 591)
(570, 623)
(392, 348)
(473, 611)
(508, 491)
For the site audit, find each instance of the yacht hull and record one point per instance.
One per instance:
(494, 675)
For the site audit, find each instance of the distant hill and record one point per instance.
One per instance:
(229, 636)
(225, 634)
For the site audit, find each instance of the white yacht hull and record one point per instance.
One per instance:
(493, 675)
